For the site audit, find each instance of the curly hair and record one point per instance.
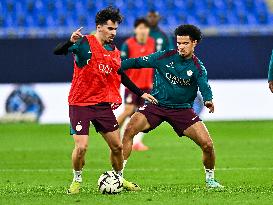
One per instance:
(109, 13)
(189, 30)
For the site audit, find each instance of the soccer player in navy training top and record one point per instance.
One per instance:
(178, 76)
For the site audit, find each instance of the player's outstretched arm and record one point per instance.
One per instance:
(131, 86)
(62, 48)
(141, 62)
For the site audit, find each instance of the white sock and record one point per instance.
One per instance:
(209, 174)
(138, 138)
(77, 175)
(120, 173)
(124, 164)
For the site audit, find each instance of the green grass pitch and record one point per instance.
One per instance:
(35, 166)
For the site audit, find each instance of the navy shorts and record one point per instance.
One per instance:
(132, 98)
(180, 119)
(100, 115)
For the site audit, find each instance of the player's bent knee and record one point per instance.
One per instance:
(208, 146)
(116, 149)
(81, 149)
(130, 131)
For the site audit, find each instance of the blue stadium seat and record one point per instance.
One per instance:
(90, 5)
(262, 18)
(222, 18)
(30, 6)
(202, 17)
(212, 20)
(230, 5)
(51, 21)
(182, 18)
(242, 18)
(69, 14)
(2, 21)
(31, 21)
(62, 21)
(21, 20)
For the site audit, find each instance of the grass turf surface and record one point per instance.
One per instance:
(35, 166)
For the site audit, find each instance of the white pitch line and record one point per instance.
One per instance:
(141, 169)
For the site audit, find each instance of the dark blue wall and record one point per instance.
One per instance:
(245, 57)
(32, 60)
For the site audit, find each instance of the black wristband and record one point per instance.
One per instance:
(62, 48)
(129, 84)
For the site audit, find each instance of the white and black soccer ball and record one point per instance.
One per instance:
(110, 183)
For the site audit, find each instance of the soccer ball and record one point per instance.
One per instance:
(110, 183)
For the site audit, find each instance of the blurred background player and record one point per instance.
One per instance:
(270, 73)
(95, 90)
(163, 42)
(138, 45)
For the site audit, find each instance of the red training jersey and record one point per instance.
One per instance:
(143, 78)
(98, 81)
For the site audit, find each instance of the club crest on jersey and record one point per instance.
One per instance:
(79, 126)
(189, 73)
(105, 68)
(159, 41)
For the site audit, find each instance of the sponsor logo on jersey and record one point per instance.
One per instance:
(177, 81)
(105, 68)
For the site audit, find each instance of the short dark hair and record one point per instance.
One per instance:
(141, 21)
(189, 30)
(153, 11)
(109, 13)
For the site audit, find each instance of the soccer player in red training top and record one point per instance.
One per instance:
(95, 89)
(137, 46)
